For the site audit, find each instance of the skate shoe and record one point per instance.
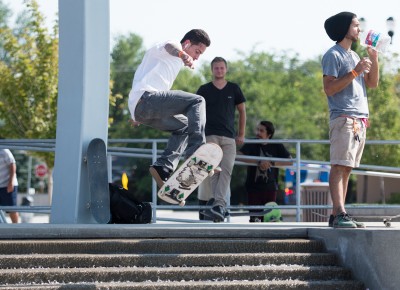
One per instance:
(218, 213)
(343, 221)
(160, 174)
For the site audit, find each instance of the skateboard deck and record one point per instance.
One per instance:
(98, 181)
(190, 174)
(386, 219)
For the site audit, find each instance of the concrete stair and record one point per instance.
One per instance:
(173, 263)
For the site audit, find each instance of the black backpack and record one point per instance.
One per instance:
(125, 209)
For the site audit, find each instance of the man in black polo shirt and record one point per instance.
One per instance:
(222, 99)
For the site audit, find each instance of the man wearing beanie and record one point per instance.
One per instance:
(345, 78)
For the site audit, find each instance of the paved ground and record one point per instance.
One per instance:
(179, 217)
(164, 215)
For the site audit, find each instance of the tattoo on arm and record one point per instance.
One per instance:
(173, 49)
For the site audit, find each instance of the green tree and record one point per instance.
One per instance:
(29, 79)
(126, 55)
(384, 104)
(4, 14)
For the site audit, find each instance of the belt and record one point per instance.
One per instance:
(365, 121)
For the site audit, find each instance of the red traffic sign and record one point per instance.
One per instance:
(41, 170)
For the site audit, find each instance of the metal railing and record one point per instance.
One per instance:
(364, 169)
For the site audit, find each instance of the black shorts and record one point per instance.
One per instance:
(8, 198)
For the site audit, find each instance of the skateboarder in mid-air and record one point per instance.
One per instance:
(152, 103)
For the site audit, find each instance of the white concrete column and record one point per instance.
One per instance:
(82, 112)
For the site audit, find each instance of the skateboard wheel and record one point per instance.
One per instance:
(211, 173)
(182, 203)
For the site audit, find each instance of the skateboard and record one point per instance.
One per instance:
(387, 219)
(270, 214)
(96, 162)
(274, 214)
(191, 173)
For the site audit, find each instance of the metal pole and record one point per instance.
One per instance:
(382, 186)
(109, 167)
(298, 180)
(153, 184)
(29, 178)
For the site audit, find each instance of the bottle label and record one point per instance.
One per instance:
(372, 38)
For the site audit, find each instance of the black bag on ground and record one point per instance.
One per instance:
(125, 209)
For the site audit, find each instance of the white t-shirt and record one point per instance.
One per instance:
(157, 72)
(6, 158)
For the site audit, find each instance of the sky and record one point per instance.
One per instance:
(291, 26)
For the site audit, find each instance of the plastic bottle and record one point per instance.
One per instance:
(375, 40)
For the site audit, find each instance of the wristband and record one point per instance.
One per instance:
(354, 73)
(180, 53)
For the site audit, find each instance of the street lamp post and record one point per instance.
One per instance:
(363, 24)
(390, 24)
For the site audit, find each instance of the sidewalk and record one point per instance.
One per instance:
(163, 216)
(191, 217)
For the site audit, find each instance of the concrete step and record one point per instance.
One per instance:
(184, 273)
(171, 263)
(160, 260)
(217, 285)
(168, 246)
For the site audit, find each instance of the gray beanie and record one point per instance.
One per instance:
(337, 25)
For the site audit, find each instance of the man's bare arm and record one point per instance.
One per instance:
(13, 170)
(175, 49)
(242, 123)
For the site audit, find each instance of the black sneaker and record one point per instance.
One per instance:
(331, 218)
(256, 219)
(160, 174)
(219, 213)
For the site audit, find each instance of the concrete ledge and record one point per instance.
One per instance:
(199, 230)
(371, 253)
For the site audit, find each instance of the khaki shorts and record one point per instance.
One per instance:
(345, 149)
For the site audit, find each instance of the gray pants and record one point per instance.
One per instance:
(182, 114)
(219, 183)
